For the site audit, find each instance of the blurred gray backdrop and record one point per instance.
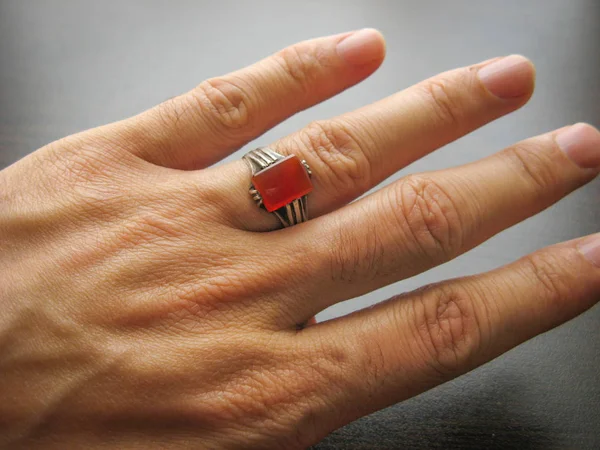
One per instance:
(70, 65)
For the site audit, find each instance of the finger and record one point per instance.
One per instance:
(427, 219)
(414, 342)
(220, 115)
(352, 153)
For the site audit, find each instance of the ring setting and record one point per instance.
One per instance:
(280, 184)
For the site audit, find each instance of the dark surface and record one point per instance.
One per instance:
(70, 65)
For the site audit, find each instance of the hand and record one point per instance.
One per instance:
(148, 303)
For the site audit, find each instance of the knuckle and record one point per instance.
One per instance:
(258, 395)
(328, 365)
(444, 95)
(374, 360)
(329, 361)
(199, 193)
(331, 148)
(542, 268)
(172, 111)
(84, 170)
(73, 160)
(301, 64)
(429, 215)
(148, 227)
(79, 169)
(226, 102)
(534, 164)
(355, 258)
(447, 329)
(79, 185)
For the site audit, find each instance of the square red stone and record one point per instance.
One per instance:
(282, 182)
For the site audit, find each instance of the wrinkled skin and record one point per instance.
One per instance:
(147, 303)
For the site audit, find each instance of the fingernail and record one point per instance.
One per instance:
(581, 143)
(509, 77)
(362, 47)
(590, 248)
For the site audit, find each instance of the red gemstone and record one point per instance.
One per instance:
(282, 182)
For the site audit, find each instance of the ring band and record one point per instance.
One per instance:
(280, 184)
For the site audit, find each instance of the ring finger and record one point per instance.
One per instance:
(352, 153)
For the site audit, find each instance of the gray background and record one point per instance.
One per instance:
(69, 65)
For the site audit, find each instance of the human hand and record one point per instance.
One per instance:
(147, 303)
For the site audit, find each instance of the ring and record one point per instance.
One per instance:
(280, 184)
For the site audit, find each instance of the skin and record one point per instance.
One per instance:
(147, 303)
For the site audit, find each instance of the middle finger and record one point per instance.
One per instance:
(427, 219)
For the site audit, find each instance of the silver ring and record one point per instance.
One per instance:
(280, 184)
